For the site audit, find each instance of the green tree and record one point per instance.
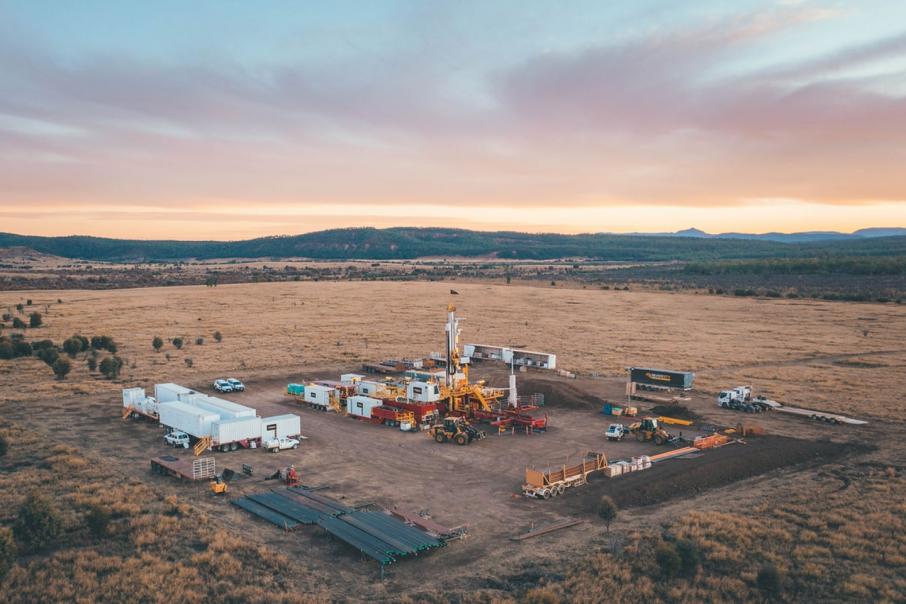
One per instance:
(37, 523)
(92, 363)
(157, 343)
(607, 510)
(18, 323)
(668, 560)
(48, 355)
(72, 347)
(199, 341)
(690, 557)
(4, 445)
(6, 350)
(98, 520)
(61, 368)
(7, 552)
(218, 336)
(177, 342)
(111, 367)
(769, 580)
(35, 319)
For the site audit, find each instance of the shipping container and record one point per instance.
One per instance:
(372, 389)
(351, 378)
(361, 406)
(295, 389)
(226, 409)
(237, 430)
(662, 377)
(423, 392)
(187, 418)
(168, 393)
(280, 426)
(318, 396)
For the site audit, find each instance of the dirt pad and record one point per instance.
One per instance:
(559, 394)
(708, 470)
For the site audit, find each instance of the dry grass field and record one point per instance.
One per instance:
(831, 527)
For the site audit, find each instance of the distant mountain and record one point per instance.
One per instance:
(792, 237)
(408, 243)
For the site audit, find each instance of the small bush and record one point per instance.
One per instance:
(6, 350)
(20, 307)
(768, 580)
(4, 446)
(92, 363)
(7, 552)
(42, 344)
(72, 347)
(21, 348)
(177, 342)
(97, 520)
(668, 560)
(18, 323)
(103, 343)
(61, 368)
(37, 523)
(35, 319)
(199, 341)
(48, 355)
(607, 510)
(218, 336)
(189, 361)
(111, 367)
(157, 343)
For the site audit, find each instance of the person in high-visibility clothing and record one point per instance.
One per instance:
(292, 477)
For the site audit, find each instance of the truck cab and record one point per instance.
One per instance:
(235, 384)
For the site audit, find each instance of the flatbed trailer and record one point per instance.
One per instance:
(200, 468)
(554, 481)
(391, 416)
(820, 415)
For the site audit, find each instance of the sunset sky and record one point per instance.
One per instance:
(228, 120)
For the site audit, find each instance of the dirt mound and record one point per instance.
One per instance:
(710, 469)
(677, 411)
(560, 394)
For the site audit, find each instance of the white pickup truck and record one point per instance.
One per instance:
(177, 439)
(616, 432)
(279, 444)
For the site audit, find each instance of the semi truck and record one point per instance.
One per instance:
(740, 398)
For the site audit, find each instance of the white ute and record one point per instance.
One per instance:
(616, 432)
(177, 439)
(279, 444)
(222, 386)
(235, 384)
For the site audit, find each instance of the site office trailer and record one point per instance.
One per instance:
(361, 406)
(192, 420)
(372, 389)
(280, 426)
(168, 393)
(318, 395)
(243, 430)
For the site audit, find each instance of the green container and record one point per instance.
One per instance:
(295, 389)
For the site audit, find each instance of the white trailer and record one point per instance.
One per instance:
(280, 426)
(372, 389)
(361, 406)
(318, 396)
(136, 403)
(192, 420)
(351, 378)
(168, 393)
(230, 434)
(226, 409)
(423, 392)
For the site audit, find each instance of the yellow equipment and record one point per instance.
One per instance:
(461, 395)
(219, 485)
(455, 429)
(648, 429)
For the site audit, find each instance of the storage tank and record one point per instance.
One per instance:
(168, 393)
(187, 418)
(361, 406)
(280, 426)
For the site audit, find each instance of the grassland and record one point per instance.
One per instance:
(833, 532)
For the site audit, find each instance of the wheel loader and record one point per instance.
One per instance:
(649, 429)
(455, 429)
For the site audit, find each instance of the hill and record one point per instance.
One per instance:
(409, 243)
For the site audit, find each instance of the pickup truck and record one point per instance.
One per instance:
(177, 439)
(235, 384)
(616, 432)
(222, 386)
(279, 444)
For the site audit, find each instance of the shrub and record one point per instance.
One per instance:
(35, 319)
(98, 520)
(20, 307)
(189, 361)
(18, 323)
(37, 523)
(199, 341)
(218, 336)
(103, 343)
(6, 350)
(157, 343)
(4, 446)
(668, 560)
(21, 348)
(92, 363)
(42, 344)
(768, 580)
(7, 316)
(111, 367)
(7, 552)
(607, 510)
(48, 355)
(28, 302)
(177, 342)
(72, 347)
(83, 341)
(690, 557)
(61, 367)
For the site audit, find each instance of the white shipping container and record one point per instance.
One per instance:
(187, 418)
(168, 393)
(135, 399)
(235, 430)
(423, 392)
(372, 389)
(318, 395)
(226, 409)
(351, 378)
(361, 406)
(280, 426)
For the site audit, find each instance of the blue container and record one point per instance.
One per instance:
(607, 409)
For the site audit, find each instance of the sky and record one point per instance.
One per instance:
(229, 120)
